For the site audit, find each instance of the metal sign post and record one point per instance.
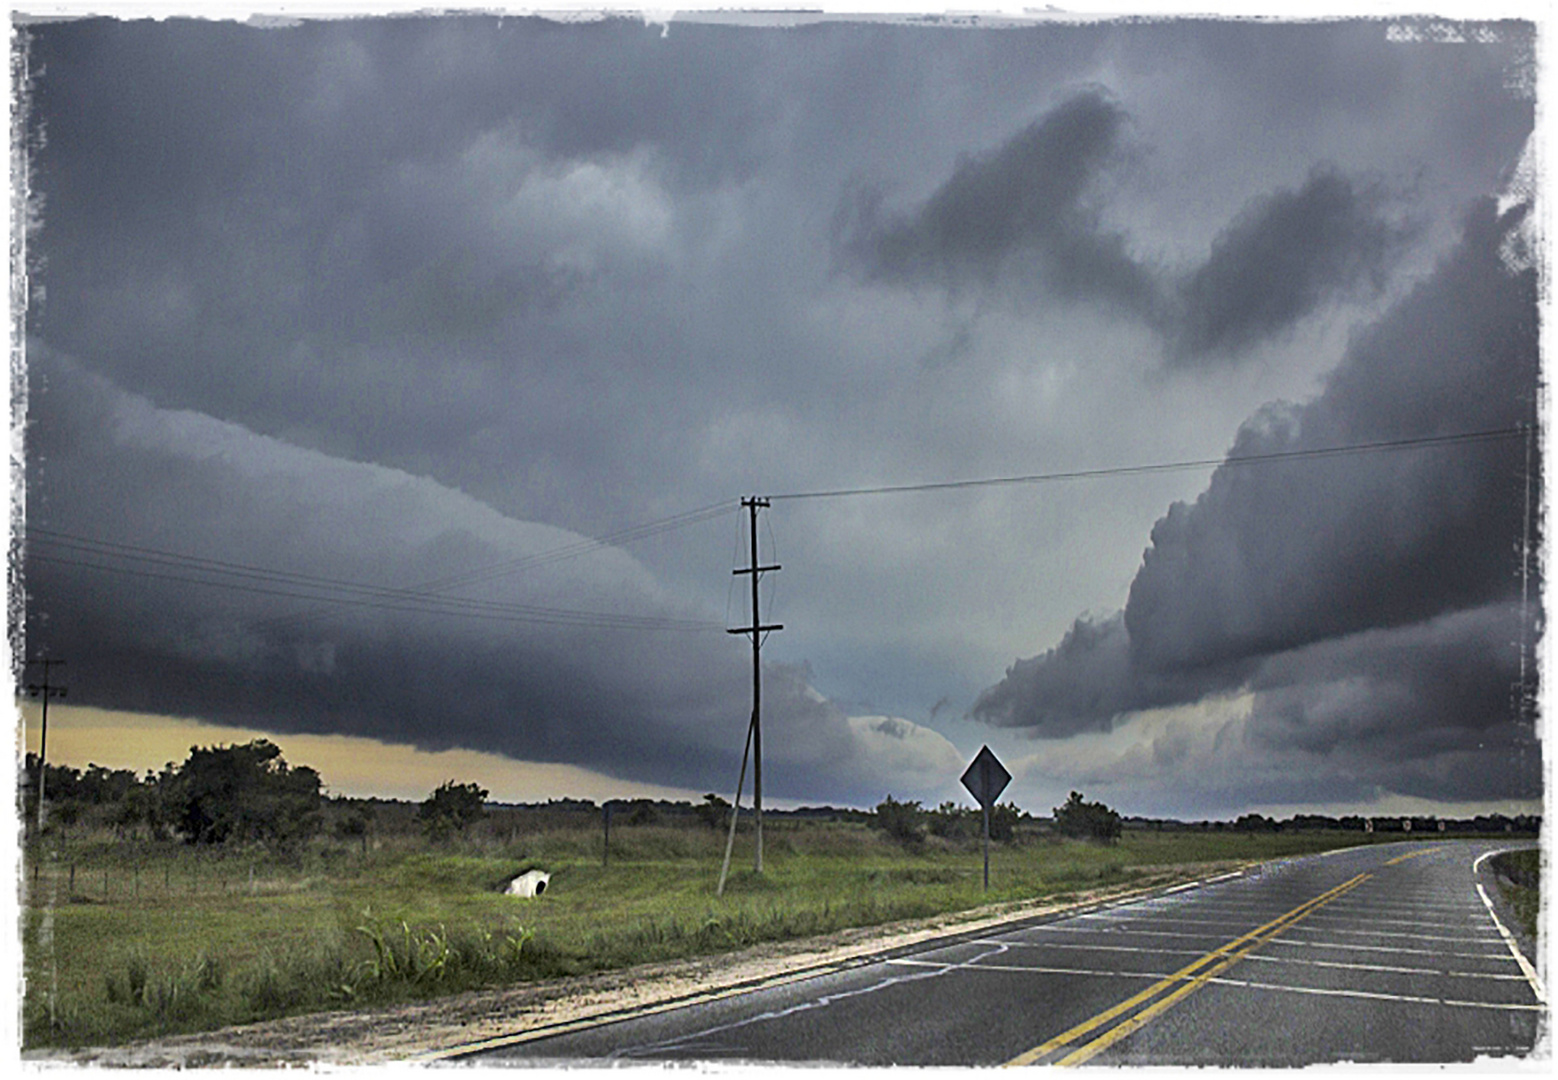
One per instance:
(985, 779)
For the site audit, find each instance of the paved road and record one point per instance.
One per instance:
(1384, 953)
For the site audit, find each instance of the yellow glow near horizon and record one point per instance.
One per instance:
(348, 765)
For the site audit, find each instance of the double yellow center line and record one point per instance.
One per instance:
(1135, 1012)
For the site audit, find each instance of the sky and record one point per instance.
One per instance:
(390, 386)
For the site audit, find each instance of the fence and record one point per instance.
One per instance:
(57, 881)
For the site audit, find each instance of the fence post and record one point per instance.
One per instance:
(72, 879)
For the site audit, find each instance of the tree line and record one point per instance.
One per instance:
(247, 793)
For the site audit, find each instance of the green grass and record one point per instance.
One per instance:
(169, 942)
(1520, 882)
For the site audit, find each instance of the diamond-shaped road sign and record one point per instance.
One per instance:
(986, 778)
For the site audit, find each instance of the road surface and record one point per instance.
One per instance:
(1383, 953)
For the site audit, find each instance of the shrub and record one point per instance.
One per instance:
(452, 807)
(900, 820)
(1087, 820)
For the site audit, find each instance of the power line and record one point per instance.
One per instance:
(429, 605)
(526, 562)
(219, 573)
(1491, 435)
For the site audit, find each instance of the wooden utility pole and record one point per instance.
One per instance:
(757, 630)
(44, 691)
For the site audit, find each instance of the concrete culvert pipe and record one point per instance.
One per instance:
(530, 883)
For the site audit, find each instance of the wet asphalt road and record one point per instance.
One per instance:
(1385, 953)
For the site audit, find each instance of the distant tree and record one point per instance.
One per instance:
(643, 812)
(452, 806)
(1087, 820)
(353, 825)
(241, 793)
(714, 811)
(900, 820)
(1256, 823)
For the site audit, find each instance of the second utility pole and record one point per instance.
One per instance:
(757, 630)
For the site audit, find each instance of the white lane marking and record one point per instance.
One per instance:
(1509, 939)
(1387, 968)
(1155, 976)
(1499, 956)
(1093, 948)
(1397, 922)
(1176, 919)
(1480, 939)
(1118, 932)
(1048, 970)
(1182, 888)
(1209, 906)
(821, 1002)
(1329, 992)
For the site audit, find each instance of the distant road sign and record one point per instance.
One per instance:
(986, 778)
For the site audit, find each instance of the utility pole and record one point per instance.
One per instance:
(45, 691)
(757, 630)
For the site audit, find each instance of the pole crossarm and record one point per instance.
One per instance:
(45, 691)
(755, 730)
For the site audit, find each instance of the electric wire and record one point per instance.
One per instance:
(337, 593)
(1490, 435)
(424, 605)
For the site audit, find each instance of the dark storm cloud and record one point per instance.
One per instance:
(1364, 598)
(1020, 210)
(657, 704)
(1275, 557)
(1088, 679)
(379, 237)
(1023, 221)
(1280, 260)
(1429, 709)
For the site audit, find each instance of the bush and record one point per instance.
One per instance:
(452, 807)
(1087, 820)
(243, 793)
(714, 812)
(902, 821)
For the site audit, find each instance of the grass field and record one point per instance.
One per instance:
(133, 939)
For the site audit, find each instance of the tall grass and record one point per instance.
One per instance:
(249, 936)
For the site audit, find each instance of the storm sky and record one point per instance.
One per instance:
(344, 338)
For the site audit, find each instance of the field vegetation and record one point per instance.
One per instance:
(1520, 880)
(137, 923)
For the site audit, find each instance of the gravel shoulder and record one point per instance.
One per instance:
(445, 1027)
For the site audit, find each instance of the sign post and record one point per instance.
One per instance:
(985, 779)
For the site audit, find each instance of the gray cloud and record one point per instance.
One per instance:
(1367, 598)
(655, 703)
(1020, 210)
(1279, 261)
(1024, 222)
(1090, 678)
(1275, 557)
